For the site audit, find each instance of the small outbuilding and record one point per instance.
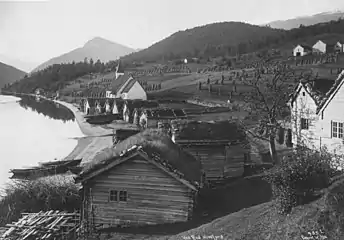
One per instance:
(144, 180)
(221, 147)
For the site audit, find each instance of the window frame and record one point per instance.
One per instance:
(117, 195)
(111, 195)
(304, 122)
(337, 130)
(126, 196)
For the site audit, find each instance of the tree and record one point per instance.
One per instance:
(268, 100)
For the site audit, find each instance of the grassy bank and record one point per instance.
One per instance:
(50, 193)
(325, 215)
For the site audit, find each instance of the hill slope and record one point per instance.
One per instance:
(97, 48)
(307, 20)
(222, 37)
(9, 74)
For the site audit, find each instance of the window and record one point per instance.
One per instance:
(118, 196)
(303, 94)
(113, 196)
(123, 196)
(337, 129)
(304, 123)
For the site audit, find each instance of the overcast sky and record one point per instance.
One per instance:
(38, 31)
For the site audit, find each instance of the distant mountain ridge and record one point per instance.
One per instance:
(222, 37)
(96, 48)
(9, 74)
(18, 63)
(307, 20)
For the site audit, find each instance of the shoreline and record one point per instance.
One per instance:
(93, 140)
(95, 137)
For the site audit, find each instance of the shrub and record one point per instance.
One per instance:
(335, 207)
(295, 179)
(50, 193)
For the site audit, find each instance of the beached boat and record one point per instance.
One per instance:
(99, 121)
(103, 116)
(102, 119)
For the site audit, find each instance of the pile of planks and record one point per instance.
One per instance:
(43, 225)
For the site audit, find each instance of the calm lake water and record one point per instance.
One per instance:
(33, 131)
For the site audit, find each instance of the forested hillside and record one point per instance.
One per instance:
(9, 74)
(229, 39)
(55, 77)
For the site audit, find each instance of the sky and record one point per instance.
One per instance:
(35, 31)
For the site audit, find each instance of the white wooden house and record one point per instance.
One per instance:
(301, 50)
(125, 86)
(331, 117)
(323, 46)
(316, 116)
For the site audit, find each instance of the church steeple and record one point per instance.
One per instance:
(119, 70)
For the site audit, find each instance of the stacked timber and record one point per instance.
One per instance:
(44, 225)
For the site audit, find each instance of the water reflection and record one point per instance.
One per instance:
(47, 108)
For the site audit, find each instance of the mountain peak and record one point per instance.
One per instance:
(97, 41)
(96, 48)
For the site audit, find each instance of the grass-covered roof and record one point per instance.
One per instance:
(196, 130)
(153, 142)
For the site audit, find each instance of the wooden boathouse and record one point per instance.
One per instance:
(151, 182)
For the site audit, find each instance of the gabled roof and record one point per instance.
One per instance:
(116, 84)
(150, 157)
(157, 146)
(91, 101)
(330, 42)
(332, 92)
(306, 47)
(160, 113)
(129, 85)
(220, 131)
(137, 103)
(316, 88)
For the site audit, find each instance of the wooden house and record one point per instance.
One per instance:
(331, 118)
(99, 105)
(139, 184)
(108, 105)
(327, 46)
(302, 50)
(125, 86)
(90, 106)
(221, 147)
(117, 106)
(131, 105)
(304, 102)
(150, 118)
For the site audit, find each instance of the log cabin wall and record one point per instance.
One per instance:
(236, 155)
(153, 197)
(219, 162)
(212, 158)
